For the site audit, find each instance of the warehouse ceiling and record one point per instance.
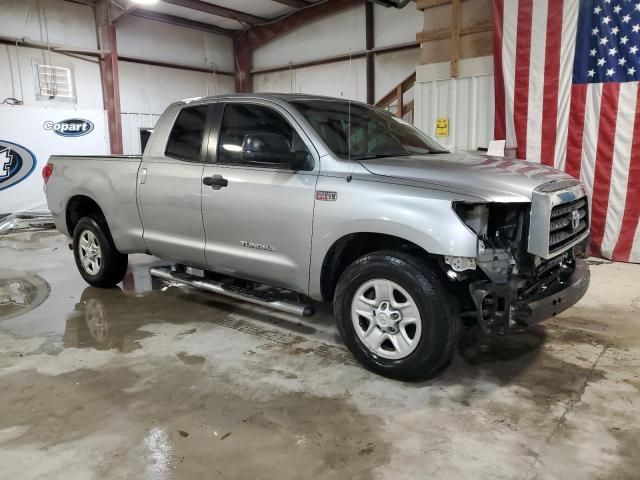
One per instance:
(221, 16)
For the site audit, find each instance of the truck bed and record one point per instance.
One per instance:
(137, 158)
(108, 180)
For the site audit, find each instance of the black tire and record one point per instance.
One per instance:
(113, 264)
(439, 314)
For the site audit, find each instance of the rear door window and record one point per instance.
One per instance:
(185, 139)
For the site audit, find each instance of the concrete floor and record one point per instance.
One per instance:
(157, 381)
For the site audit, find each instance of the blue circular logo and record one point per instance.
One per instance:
(16, 164)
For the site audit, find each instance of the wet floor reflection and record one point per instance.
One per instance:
(104, 319)
(35, 240)
(21, 293)
(57, 302)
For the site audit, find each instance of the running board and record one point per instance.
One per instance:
(233, 292)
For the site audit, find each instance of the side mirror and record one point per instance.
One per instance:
(271, 150)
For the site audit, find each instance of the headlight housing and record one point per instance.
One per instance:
(503, 222)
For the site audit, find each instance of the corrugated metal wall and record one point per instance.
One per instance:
(131, 125)
(466, 102)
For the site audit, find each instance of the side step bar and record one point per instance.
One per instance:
(233, 291)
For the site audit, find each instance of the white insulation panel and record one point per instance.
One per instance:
(131, 125)
(467, 102)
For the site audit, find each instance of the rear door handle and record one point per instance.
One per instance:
(216, 182)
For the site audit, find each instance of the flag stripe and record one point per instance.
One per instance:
(509, 35)
(604, 160)
(576, 129)
(499, 130)
(587, 161)
(536, 81)
(620, 167)
(521, 93)
(551, 85)
(567, 51)
(631, 216)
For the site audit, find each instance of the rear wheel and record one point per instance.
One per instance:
(395, 316)
(97, 258)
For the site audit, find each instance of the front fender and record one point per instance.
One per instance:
(423, 217)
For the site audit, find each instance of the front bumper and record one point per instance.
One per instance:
(500, 309)
(555, 299)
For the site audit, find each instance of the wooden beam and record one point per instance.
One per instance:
(399, 100)
(369, 58)
(225, 12)
(409, 107)
(294, 3)
(181, 22)
(406, 84)
(456, 21)
(443, 33)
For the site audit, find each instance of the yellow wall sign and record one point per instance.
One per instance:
(442, 127)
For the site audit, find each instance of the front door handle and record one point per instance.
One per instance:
(216, 182)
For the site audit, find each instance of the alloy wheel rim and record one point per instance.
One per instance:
(386, 319)
(90, 253)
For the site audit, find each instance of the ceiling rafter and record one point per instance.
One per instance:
(294, 3)
(259, 34)
(213, 9)
(180, 21)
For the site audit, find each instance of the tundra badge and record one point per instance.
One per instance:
(258, 246)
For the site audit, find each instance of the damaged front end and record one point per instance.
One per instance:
(509, 287)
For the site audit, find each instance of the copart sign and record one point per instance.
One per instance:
(73, 127)
(16, 164)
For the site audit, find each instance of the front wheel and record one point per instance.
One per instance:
(97, 258)
(395, 316)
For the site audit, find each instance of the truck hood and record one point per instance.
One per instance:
(494, 179)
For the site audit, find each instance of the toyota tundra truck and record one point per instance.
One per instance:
(289, 200)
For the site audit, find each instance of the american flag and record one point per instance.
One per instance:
(566, 85)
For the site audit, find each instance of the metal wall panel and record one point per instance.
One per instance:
(467, 103)
(131, 125)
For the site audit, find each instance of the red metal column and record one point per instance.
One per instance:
(106, 31)
(243, 56)
(111, 85)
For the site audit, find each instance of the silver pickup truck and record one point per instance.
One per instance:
(282, 200)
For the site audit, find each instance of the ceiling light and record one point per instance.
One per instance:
(145, 2)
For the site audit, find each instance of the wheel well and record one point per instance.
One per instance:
(78, 207)
(351, 247)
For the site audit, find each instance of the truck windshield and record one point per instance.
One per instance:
(371, 133)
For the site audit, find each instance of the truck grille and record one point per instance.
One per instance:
(559, 218)
(568, 222)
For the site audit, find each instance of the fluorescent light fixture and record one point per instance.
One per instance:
(145, 2)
